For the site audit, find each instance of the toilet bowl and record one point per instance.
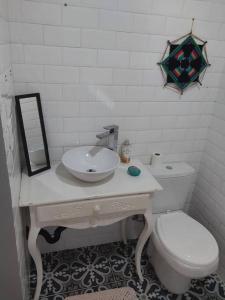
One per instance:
(183, 249)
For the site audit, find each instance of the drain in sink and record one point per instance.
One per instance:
(91, 170)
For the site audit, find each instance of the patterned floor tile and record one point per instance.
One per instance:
(97, 268)
(122, 260)
(56, 275)
(214, 287)
(91, 268)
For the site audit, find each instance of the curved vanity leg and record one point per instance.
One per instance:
(124, 231)
(35, 254)
(141, 242)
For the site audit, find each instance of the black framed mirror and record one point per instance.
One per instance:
(31, 122)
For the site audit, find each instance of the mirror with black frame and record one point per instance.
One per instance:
(31, 122)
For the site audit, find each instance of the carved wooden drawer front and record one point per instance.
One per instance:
(94, 207)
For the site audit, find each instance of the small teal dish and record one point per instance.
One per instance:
(133, 171)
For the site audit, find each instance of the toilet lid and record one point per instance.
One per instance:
(186, 239)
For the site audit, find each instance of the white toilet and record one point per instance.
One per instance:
(182, 249)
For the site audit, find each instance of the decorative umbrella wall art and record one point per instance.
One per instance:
(184, 62)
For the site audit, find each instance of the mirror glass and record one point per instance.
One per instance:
(33, 133)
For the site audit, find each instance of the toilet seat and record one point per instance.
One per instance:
(186, 245)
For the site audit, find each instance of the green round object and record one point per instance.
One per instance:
(133, 171)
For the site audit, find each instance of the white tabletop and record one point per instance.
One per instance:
(58, 186)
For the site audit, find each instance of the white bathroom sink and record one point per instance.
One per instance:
(90, 163)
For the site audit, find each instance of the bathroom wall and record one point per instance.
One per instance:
(94, 63)
(208, 203)
(8, 257)
(9, 128)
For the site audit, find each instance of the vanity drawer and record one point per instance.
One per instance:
(96, 207)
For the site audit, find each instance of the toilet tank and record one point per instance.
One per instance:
(176, 180)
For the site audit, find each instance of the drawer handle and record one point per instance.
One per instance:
(97, 209)
(93, 219)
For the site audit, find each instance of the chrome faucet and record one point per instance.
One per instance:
(112, 136)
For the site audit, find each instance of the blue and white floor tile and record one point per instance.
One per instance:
(97, 268)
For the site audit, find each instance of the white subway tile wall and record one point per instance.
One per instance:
(208, 203)
(98, 59)
(95, 62)
(9, 125)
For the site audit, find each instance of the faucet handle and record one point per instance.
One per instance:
(111, 128)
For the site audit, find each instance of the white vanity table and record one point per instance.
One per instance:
(56, 198)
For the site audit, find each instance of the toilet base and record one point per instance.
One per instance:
(171, 279)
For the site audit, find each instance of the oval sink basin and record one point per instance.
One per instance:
(91, 163)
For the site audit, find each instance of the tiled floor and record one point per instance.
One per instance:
(90, 269)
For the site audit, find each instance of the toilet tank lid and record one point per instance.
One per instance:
(167, 170)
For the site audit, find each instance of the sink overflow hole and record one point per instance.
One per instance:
(169, 167)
